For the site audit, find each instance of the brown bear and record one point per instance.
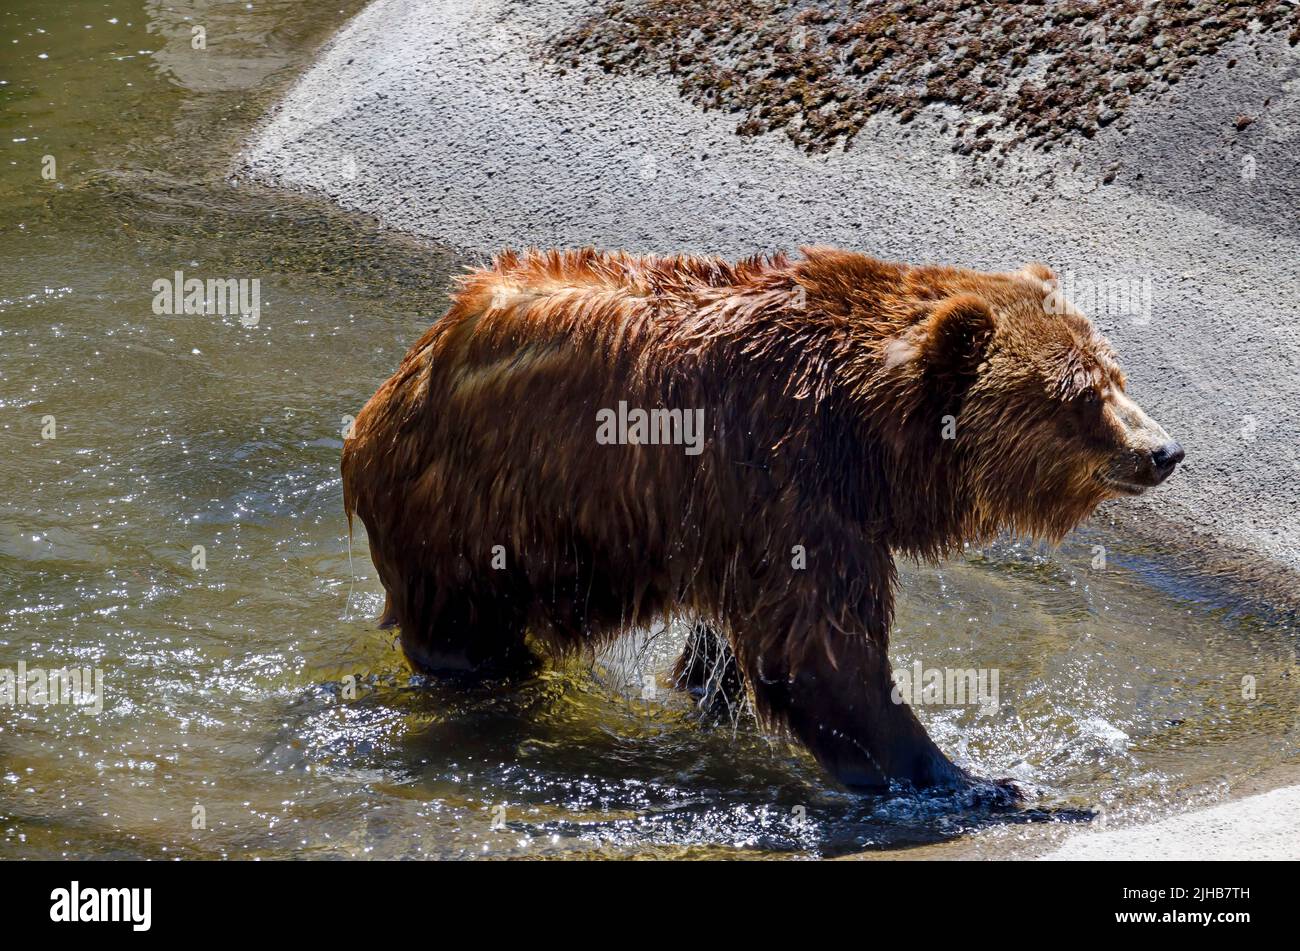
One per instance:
(591, 442)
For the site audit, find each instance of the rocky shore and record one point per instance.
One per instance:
(1003, 74)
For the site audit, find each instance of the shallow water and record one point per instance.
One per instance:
(230, 687)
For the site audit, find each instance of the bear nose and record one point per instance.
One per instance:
(1167, 456)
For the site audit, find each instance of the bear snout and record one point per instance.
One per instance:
(1158, 464)
(1164, 459)
(1136, 470)
(1148, 455)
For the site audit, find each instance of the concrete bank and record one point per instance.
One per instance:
(1261, 827)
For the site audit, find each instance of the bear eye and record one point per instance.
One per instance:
(1089, 397)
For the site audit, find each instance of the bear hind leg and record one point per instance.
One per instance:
(708, 671)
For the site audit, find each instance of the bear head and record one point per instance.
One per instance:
(1028, 423)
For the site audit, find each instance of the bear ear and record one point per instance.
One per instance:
(955, 336)
(1039, 271)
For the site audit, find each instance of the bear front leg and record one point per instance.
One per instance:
(465, 635)
(844, 712)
